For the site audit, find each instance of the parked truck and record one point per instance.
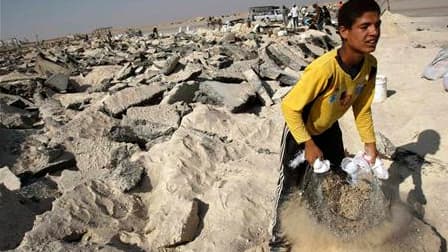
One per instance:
(273, 13)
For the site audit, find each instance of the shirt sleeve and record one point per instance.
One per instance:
(314, 80)
(362, 110)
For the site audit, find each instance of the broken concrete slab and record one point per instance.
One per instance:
(184, 230)
(220, 61)
(233, 96)
(287, 79)
(47, 68)
(78, 101)
(280, 93)
(124, 72)
(23, 88)
(268, 68)
(58, 81)
(12, 210)
(117, 103)
(234, 73)
(229, 37)
(8, 179)
(125, 176)
(70, 245)
(146, 125)
(37, 159)
(16, 118)
(94, 208)
(68, 180)
(191, 71)
(170, 64)
(236, 52)
(98, 74)
(181, 92)
(253, 80)
(286, 56)
(163, 114)
(50, 110)
(117, 87)
(18, 102)
(16, 76)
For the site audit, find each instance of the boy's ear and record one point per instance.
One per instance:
(343, 32)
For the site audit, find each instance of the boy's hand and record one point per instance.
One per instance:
(371, 151)
(312, 152)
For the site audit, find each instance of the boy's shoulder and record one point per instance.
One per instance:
(325, 61)
(371, 59)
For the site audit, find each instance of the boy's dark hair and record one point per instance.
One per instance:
(353, 9)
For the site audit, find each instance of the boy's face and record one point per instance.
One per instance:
(363, 36)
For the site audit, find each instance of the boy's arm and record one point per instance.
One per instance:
(312, 83)
(363, 116)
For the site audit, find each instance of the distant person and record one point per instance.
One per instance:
(303, 13)
(340, 80)
(248, 22)
(219, 23)
(318, 19)
(155, 33)
(285, 15)
(209, 22)
(326, 15)
(295, 16)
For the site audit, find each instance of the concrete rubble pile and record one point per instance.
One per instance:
(135, 143)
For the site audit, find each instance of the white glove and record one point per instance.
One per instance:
(320, 166)
(379, 170)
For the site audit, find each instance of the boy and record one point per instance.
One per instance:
(330, 85)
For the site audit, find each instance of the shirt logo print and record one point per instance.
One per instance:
(333, 98)
(359, 88)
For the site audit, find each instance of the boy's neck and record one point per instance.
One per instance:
(349, 56)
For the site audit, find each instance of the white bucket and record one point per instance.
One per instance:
(380, 88)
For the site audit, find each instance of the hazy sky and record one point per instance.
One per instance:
(51, 18)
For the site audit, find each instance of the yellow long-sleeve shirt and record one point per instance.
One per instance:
(330, 91)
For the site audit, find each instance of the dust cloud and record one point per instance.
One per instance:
(305, 234)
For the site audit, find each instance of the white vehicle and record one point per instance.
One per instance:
(273, 13)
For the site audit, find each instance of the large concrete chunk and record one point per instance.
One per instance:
(22, 88)
(124, 72)
(15, 76)
(16, 118)
(9, 179)
(268, 68)
(47, 68)
(286, 56)
(253, 80)
(125, 176)
(280, 93)
(234, 73)
(93, 208)
(170, 64)
(15, 219)
(189, 72)
(100, 73)
(232, 96)
(77, 101)
(117, 103)
(17, 101)
(181, 92)
(58, 81)
(236, 52)
(163, 114)
(185, 227)
(36, 158)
